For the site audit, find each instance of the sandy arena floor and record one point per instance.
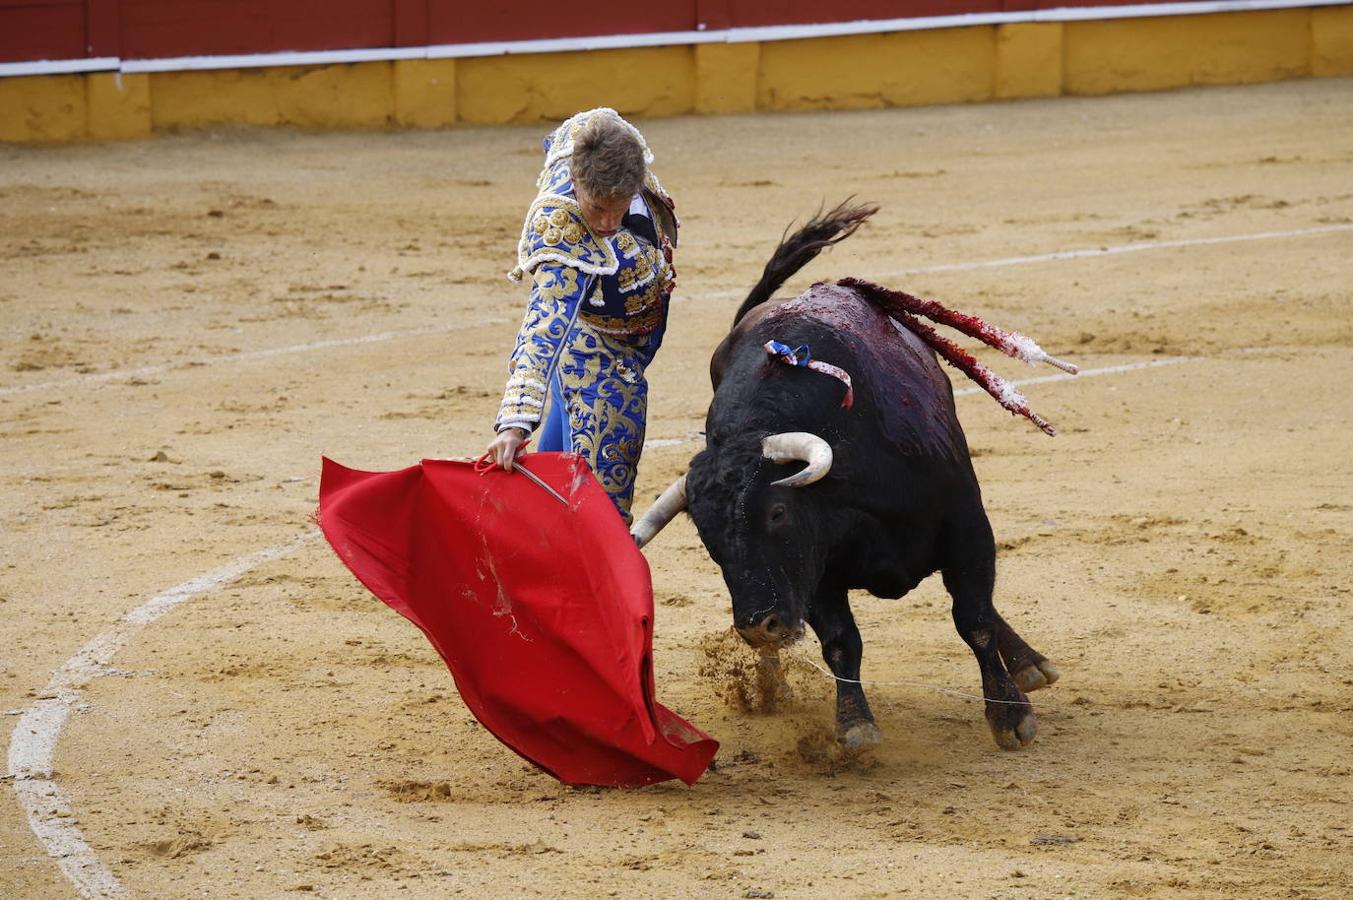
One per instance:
(1181, 550)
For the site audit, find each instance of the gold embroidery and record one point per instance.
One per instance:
(626, 244)
(559, 211)
(623, 451)
(606, 405)
(556, 282)
(643, 266)
(641, 300)
(544, 328)
(628, 326)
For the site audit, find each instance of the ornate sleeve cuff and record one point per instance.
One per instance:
(515, 422)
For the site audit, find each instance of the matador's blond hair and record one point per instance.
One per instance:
(608, 159)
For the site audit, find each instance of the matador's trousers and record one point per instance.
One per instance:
(598, 410)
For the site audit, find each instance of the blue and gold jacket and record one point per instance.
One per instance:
(592, 298)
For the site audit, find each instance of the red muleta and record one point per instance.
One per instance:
(542, 611)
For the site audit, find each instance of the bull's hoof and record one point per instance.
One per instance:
(1013, 726)
(860, 736)
(1037, 675)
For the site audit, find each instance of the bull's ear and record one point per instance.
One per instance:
(792, 446)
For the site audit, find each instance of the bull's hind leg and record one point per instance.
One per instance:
(1009, 714)
(832, 622)
(1031, 669)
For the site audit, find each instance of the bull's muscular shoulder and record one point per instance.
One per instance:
(758, 314)
(873, 342)
(718, 363)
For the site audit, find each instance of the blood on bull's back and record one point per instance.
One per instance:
(900, 388)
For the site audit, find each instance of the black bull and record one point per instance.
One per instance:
(888, 497)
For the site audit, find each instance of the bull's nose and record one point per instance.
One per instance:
(770, 630)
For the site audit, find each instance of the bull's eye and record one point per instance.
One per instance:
(777, 514)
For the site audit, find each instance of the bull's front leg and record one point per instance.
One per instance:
(842, 649)
(1030, 669)
(1009, 714)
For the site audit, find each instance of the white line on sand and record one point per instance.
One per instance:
(1090, 253)
(960, 392)
(1120, 248)
(143, 371)
(1091, 373)
(32, 745)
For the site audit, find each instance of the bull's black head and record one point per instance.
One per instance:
(763, 518)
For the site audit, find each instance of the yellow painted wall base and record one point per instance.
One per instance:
(118, 105)
(909, 68)
(725, 77)
(43, 108)
(1114, 55)
(425, 93)
(1028, 60)
(905, 68)
(495, 90)
(359, 95)
(1332, 41)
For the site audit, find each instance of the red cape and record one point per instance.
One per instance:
(543, 613)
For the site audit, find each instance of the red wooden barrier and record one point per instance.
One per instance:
(151, 29)
(42, 29)
(745, 13)
(450, 22)
(166, 28)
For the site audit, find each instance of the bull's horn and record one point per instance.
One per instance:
(663, 510)
(799, 445)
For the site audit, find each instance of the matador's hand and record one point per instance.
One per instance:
(503, 448)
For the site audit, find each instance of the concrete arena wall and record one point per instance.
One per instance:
(905, 68)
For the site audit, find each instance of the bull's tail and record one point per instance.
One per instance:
(797, 250)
